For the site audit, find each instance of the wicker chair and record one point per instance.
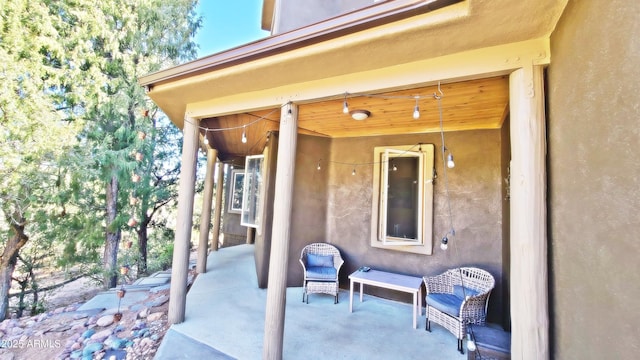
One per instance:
(321, 264)
(458, 297)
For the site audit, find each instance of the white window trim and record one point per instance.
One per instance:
(384, 163)
(424, 243)
(247, 194)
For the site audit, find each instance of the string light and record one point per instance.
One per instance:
(394, 168)
(353, 172)
(444, 244)
(416, 110)
(471, 344)
(345, 106)
(319, 168)
(450, 163)
(289, 113)
(206, 140)
(244, 135)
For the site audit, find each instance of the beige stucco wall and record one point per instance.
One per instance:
(594, 180)
(334, 206)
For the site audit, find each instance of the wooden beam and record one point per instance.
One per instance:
(186, 191)
(217, 215)
(276, 291)
(205, 215)
(529, 294)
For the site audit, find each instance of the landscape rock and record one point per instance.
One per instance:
(105, 321)
(88, 333)
(101, 335)
(155, 316)
(91, 348)
(143, 313)
(158, 301)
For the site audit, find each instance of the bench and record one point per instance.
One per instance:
(388, 280)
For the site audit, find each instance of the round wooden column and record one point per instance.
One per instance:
(184, 222)
(277, 288)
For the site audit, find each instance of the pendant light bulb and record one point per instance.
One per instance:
(319, 167)
(450, 163)
(345, 107)
(444, 245)
(353, 172)
(244, 135)
(416, 111)
(471, 345)
(289, 114)
(395, 168)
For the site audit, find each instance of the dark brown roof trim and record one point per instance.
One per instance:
(359, 20)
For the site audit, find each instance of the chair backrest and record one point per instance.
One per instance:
(473, 278)
(322, 249)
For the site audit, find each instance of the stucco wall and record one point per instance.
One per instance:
(594, 180)
(309, 208)
(333, 205)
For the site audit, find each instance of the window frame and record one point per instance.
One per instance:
(252, 191)
(424, 240)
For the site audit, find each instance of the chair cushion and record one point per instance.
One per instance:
(446, 303)
(458, 291)
(314, 260)
(321, 273)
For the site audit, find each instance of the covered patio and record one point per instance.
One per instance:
(225, 315)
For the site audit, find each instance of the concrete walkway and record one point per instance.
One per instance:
(225, 314)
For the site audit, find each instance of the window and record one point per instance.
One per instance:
(252, 191)
(402, 208)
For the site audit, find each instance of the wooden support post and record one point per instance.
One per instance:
(186, 191)
(277, 289)
(251, 233)
(205, 216)
(529, 294)
(217, 214)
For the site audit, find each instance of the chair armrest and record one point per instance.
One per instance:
(338, 265)
(474, 308)
(304, 266)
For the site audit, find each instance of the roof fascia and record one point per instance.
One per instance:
(366, 18)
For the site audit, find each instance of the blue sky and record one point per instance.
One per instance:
(227, 24)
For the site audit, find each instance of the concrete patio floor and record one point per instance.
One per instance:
(225, 313)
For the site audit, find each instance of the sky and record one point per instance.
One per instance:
(227, 24)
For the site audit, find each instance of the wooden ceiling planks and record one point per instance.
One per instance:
(468, 105)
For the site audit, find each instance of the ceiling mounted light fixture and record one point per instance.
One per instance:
(360, 114)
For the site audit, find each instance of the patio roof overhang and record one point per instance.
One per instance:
(360, 52)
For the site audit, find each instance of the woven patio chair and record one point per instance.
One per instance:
(321, 263)
(458, 297)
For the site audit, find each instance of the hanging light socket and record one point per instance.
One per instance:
(360, 115)
(345, 105)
